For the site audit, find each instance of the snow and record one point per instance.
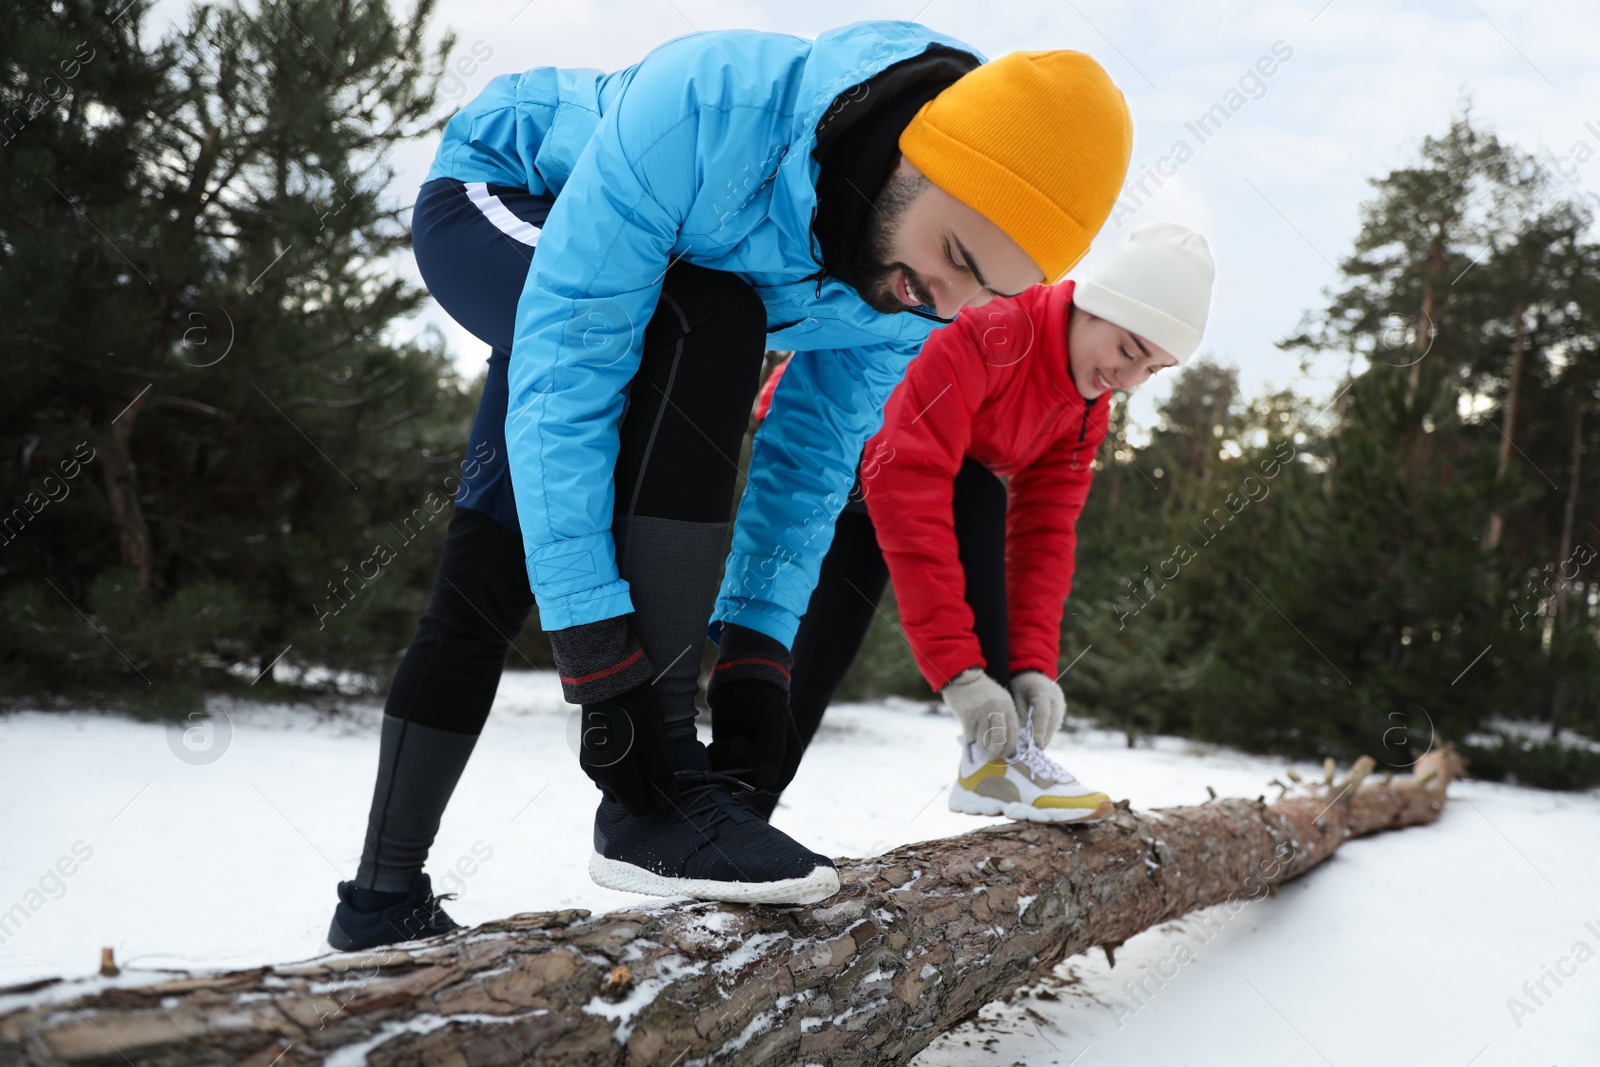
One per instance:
(355, 1055)
(623, 1011)
(1530, 731)
(668, 968)
(757, 1025)
(749, 951)
(1472, 941)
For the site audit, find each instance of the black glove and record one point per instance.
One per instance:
(623, 748)
(623, 740)
(752, 729)
(753, 733)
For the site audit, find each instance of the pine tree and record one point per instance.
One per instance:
(199, 300)
(1463, 295)
(1405, 565)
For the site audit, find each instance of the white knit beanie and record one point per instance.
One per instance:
(1158, 285)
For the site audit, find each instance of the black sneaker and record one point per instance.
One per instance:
(759, 801)
(417, 916)
(711, 847)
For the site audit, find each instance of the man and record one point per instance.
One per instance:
(730, 192)
(1018, 389)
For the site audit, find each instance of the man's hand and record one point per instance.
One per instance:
(1040, 703)
(752, 729)
(987, 712)
(753, 733)
(624, 749)
(623, 744)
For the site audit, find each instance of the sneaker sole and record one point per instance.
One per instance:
(349, 944)
(820, 884)
(969, 803)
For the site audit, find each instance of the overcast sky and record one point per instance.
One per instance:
(1354, 86)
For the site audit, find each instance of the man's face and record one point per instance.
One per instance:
(923, 247)
(1103, 356)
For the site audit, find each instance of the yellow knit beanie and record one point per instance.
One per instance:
(1036, 142)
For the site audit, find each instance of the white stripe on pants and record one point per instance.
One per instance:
(497, 213)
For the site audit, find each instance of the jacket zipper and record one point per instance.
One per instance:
(1084, 430)
(1082, 433)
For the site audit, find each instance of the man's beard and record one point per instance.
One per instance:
(874, 270)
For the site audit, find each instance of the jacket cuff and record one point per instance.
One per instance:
(753, 613)
(948, 660)
(959, 675)
(747, 653)
(599, 660)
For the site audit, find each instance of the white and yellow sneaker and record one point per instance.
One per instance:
(1029, 786)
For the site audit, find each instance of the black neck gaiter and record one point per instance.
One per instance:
(858, 147)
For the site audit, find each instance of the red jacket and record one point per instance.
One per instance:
(993, 385)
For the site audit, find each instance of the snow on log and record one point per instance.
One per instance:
(916, 941)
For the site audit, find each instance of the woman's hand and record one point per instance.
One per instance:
(1040, 704)
(987, 712)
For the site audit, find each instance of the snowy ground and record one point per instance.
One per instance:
(1410, 948)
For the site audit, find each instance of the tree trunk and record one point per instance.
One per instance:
(1559, 701)
(122, 493)
(1425, 329)
(1519, 358)
(916, 941)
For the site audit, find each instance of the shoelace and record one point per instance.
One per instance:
(424, 916)
(1030, 753)
(433, 906)
(697, 788)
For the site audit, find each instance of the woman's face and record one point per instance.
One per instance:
(1103, 356)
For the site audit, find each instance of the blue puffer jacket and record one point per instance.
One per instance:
(700, 151)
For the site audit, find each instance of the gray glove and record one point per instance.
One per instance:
(987, 712)
(1040, 704)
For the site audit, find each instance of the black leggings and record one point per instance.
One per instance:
(687, 412)
(851, 582)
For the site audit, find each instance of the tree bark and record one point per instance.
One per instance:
(1560, 699)
(1519, 359)
(122, 493)
(916, 941)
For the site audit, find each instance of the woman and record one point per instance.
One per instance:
(1019, 390)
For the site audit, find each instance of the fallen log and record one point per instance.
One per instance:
(916, 941)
